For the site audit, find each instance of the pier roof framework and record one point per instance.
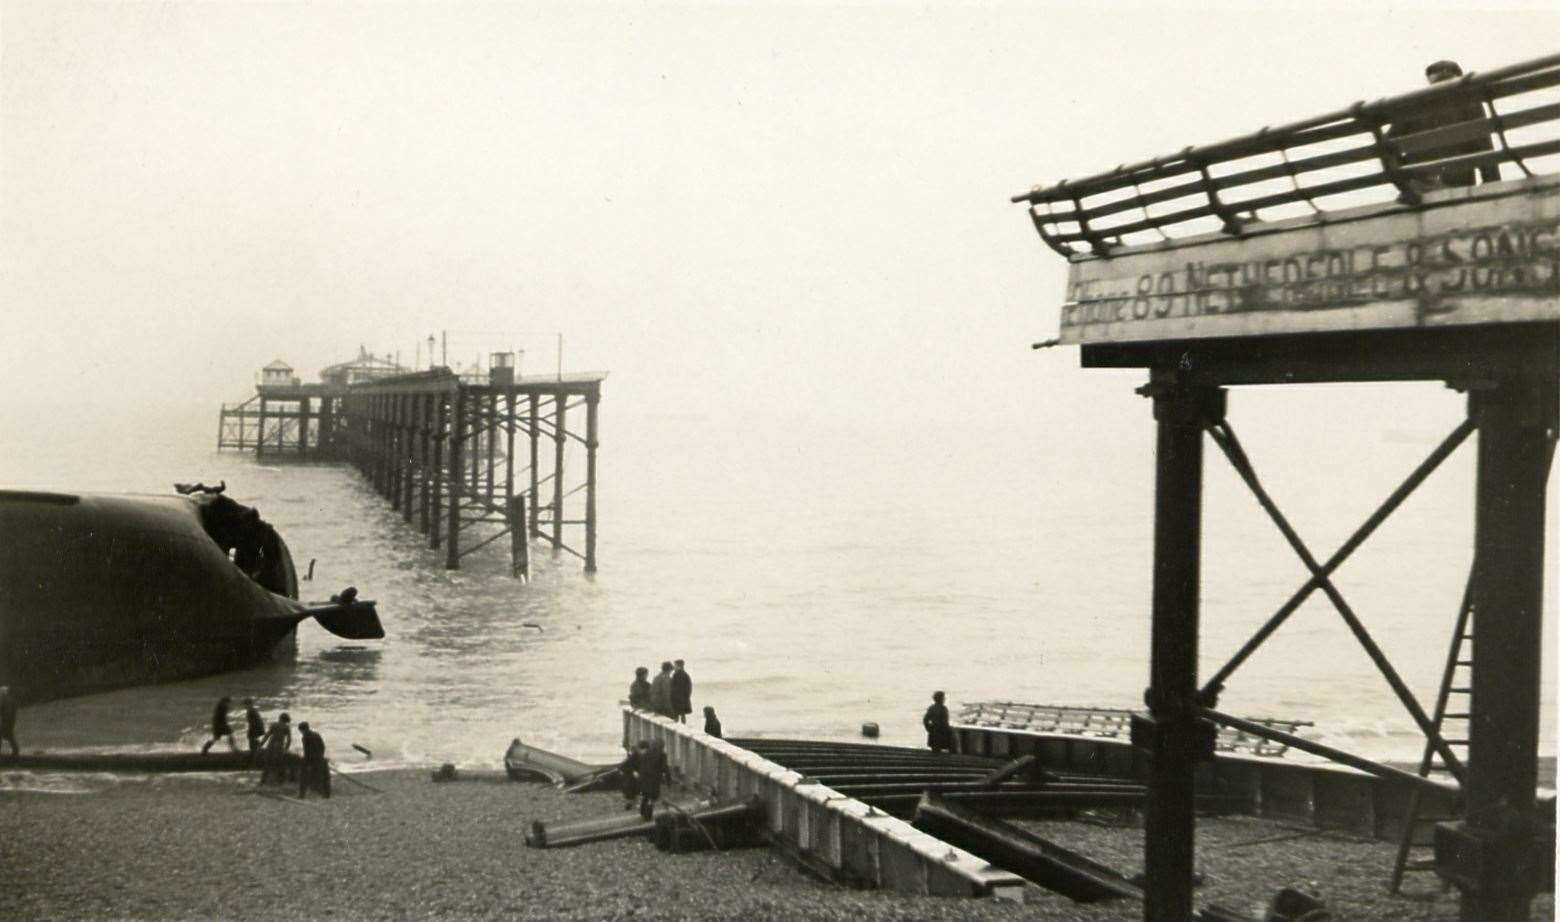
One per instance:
(1353, 246)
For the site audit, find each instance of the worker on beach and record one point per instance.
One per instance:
(316, 771)
(630, 769)
(661, 691)
(682, 694)
(274, 746)
(8, 719)
(652, 771)
(639, 689)
(711, 722)
(255, 726)
(939, 735)
(219, 726)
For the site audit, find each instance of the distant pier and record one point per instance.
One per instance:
(441, 447)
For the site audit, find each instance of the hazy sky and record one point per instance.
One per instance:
(734, 207)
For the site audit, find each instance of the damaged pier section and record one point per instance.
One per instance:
(1239, 263)
(466, 460)
(443, 452)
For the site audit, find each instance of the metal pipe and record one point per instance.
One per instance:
(1327, 752)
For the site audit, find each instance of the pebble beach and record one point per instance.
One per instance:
(215, 847)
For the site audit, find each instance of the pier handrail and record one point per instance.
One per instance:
(1401, 145)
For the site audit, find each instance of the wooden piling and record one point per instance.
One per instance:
(519, 545)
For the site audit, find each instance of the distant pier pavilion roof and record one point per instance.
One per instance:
(1437, 207)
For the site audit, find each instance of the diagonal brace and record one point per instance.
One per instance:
(1210, 691)
(1224, 436)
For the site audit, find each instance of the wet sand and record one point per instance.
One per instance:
(210, 847)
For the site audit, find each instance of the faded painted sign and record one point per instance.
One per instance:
(1471, 260)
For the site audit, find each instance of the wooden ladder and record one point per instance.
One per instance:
(1415, 848)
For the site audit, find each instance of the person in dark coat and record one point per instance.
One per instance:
(711, 722)
(8, 719)
(639, 690)
(682, 694)
(219, 726)
(939, 735)
(630, 769)
(316, 771)
(652, 771)
(256, 726)
(661, 692)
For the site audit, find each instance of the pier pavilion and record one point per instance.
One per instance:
(1350, 247)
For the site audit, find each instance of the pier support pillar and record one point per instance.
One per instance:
(1492, 856)
(560, 422)
(535, 492)
(457, 474)
(409, 427)
(424, 456)
(325, 433)
(305, 407)
(260, 432)
(519, 543)
(441, 441)
(1174, 734)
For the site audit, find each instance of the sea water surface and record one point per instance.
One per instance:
(813, 575)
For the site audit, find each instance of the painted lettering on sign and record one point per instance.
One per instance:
(1515, 258)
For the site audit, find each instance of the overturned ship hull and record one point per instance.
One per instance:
(104, 591)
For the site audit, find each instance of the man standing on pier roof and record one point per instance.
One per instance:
(1454, 111)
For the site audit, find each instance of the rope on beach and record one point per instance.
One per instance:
(362, 784)
(695, 824)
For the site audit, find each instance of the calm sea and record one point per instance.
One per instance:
(814, 576)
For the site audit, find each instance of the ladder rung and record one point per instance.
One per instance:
(1424, 864)
(1455, 716)
(1464, 662)
(1461, 691)
(1456, 742)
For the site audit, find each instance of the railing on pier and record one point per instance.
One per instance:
(1110, 723)
(1395, 148)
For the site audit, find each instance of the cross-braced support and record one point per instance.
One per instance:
(1224, 436)
(444, 452)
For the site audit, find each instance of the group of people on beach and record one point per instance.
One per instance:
(669, 694)
(269, 746)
